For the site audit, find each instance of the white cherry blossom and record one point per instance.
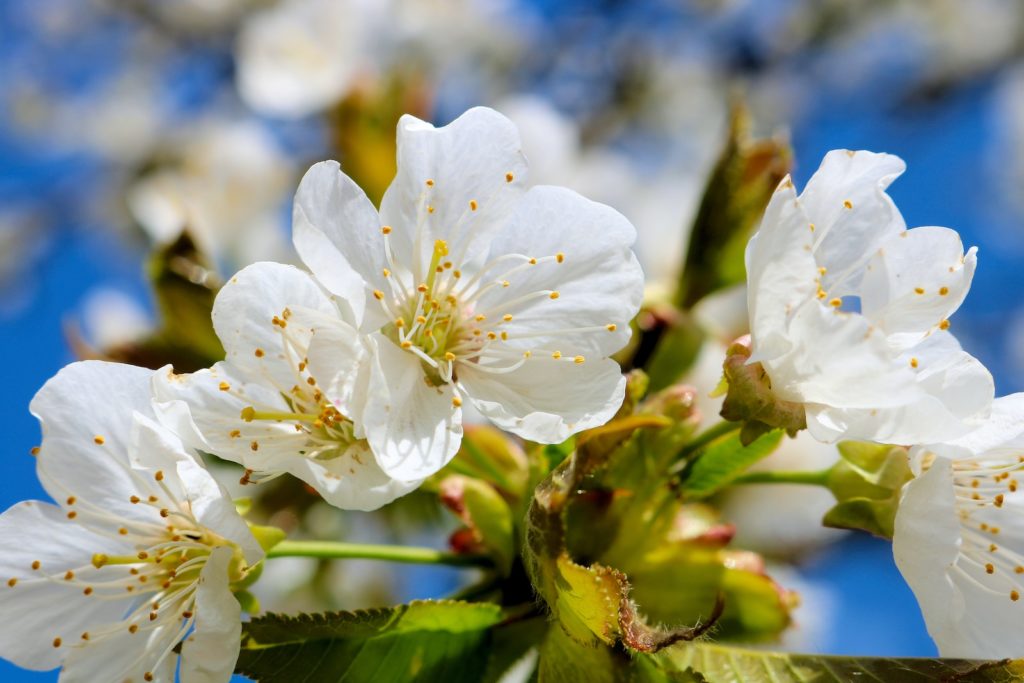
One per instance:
(959, 537)
(138, 555)
(268, 406)
(468, 285)
(849, 310)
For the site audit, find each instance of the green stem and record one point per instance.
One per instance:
(817, 478)
(329, 550)
(707, 436)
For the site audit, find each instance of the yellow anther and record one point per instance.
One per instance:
(533, 261)
(56, 642)
(36, 564)
(504, 336)
(440, 247)
(822, 270)
(386, 272)
(477, 332)
(421, 288)
(990, 569)
(248, 414)
(12, 582)
(235, 433)
(836, 303)
(406, 344)
(507, 317)
(998, 500)
(378, 295)
(98, 440)
(553, 295)
(492, 336)
(456, 401)
(509, 177)
(430, 209)
(919, 290)
(447, 265)
(611, 327)
(224, 386)
(34, 450)
(556, 355)
(254, 446)
(134, 500)
(457, 274)
(527, 354)
(944, 325)
(258, 353)
(72, 514)
(560, 257)
(821, 293)
(449, 356)
(1015, 596)
(848, 204)
(943, 291)
(399, 323)
(505, 283)
(480, 317)
(812, 227)
(386, 229)
(472, 205)
(430, 182)
(579, 360)
(913, 362)
(421, 319)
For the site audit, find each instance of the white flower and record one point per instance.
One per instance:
(468, 285)
(959, 537)
(301, 56)
(138, 555)
(226, 187)
(263, 407)
(849, 310)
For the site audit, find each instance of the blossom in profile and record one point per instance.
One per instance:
(958, 538)
(140, 552)
(469, 286)
(270, 405)
(849, 311)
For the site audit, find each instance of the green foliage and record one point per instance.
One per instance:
(740, 185)
(709, 663)
(725, 459)
(866, 482)
(444, 641)
(486, 514)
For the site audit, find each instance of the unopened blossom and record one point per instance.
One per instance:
(849, 310)
(959, 540)
(139, 553)
(469, 286)
(267, 406)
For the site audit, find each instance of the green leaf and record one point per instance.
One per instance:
(725, 459)
(737, 191)
(866, 482)
(424, 640)
(713, 663)
(675, 353)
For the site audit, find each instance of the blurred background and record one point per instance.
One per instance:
(146, 140)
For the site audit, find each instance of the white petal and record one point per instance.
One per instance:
(598, 281)
(192, 485)
(338, 359)
(210, 652)
(547, 400)
(476, 158)
(413, 428)
(837, 359)
(1001, 435)
(244, 313)
(781, 272)
(337, 232)
(916, 280)
(86, 412)
(123, 656)
(38, 608)
(298, 57)
(926, 545)
(853, 215)
(351, 480)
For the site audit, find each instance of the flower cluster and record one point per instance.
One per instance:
(466, 287)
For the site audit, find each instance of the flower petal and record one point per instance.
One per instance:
(846, 200)
(547, 400)
(86, 412)
(1001, 435)
(414, 429)
(925, 546)
(246, 314)
(209, 654)
(589, 264)
(41, 605)
(443, 173)
(916, 280)
(337, 232)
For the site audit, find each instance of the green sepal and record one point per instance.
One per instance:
(267, 536)
(867, 481)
